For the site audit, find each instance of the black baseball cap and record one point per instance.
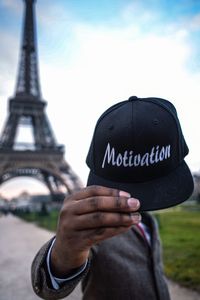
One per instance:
(138, 146)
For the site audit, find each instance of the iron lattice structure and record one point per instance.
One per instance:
(44, 160)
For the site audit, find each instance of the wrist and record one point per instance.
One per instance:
(64, 264)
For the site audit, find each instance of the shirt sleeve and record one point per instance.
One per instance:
(56, 282)
(146, 231)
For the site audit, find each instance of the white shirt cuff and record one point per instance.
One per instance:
(57, 281)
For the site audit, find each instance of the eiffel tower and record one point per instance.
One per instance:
(44, 158)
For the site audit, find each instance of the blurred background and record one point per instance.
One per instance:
(91, 55)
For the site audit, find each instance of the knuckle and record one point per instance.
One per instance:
(99, 234)
(64, 210)
(95, 189)
(62, 213)
(121, 219)
(98, 218)
(70, 197)
(125, 219)
(118, 203)
(94, 203)
(66, 214)
(99, 231)
(99, 190)
(129, 219)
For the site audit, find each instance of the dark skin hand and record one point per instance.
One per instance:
(87, 217)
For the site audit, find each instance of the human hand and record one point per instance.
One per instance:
(87, 217)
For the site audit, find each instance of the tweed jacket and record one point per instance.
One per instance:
(124, 267)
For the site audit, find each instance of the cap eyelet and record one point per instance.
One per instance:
(155, 121)
(111, 127)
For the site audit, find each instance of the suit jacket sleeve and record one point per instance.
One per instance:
(41, 282)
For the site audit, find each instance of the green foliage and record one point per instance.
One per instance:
(44, 212)
(180, 235)
(46, 220)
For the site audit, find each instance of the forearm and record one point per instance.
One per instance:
(41, 281)
(87, 217)
(66, 262)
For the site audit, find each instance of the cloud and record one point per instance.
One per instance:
(12, 5)
(52, 15)
(187, 23)
(139, 13)
(108, 65)
(163, 17)
(8, 70)
(192, 23)
(85, 68)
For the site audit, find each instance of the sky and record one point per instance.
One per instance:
(93, 54)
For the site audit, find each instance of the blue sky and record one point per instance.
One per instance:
(93, 54)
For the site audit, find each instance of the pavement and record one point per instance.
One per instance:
(19, 242)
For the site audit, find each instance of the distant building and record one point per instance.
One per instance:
(4, 205)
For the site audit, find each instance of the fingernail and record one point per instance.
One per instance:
(124, 194)
(133, 203)
(136, 218)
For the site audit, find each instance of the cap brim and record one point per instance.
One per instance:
(156, 194)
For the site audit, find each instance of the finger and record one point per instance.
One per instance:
(102, 203)
(106, 219)
(93, 236)
(96, 190)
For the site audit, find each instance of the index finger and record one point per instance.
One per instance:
(97, 190)
(105, 204)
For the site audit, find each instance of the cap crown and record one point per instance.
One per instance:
(137, 140)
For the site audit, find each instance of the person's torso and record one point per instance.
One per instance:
(125, 267)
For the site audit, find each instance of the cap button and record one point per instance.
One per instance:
(132, 98)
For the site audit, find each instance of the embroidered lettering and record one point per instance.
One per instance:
(128, 159)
